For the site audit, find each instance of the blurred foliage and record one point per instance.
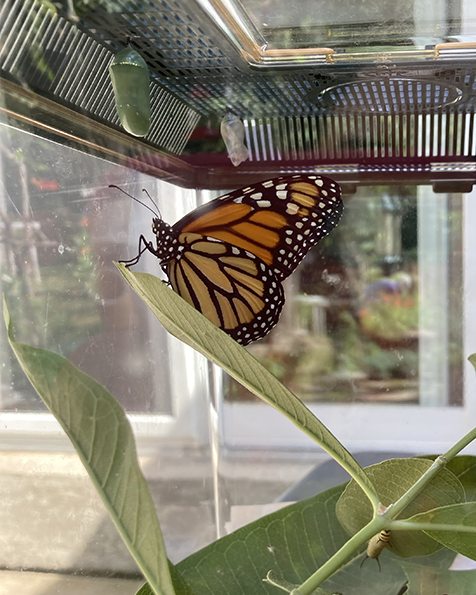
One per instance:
(372, 311)
(390, 316)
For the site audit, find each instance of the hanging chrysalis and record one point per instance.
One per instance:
(130, 81)
(233, 133)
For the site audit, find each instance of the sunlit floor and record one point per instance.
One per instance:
(57, 537)
(41, 583)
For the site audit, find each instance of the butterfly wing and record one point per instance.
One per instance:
(278, 220)
(233, 288)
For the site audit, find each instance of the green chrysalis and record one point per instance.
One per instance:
(130, 81)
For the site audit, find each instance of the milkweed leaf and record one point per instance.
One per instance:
(292, 543)
(392, 479)
(423, 580)
(101, 434)
(191, 327)
(464, 514)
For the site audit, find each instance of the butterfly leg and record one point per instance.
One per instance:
(143, 246)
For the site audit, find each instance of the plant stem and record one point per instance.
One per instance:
(415, 526)
(338, 559)
(458, 447)
(384, 521)
(395, 509)
(425, 479)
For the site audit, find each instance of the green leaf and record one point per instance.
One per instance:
(100, 432)
(464, 468)
(443, 558)
(191, 327)
(472, 360)
(423, 580)
(180, 584)
(273, 579)
(292, 543)
(392, 479)
(457, 514)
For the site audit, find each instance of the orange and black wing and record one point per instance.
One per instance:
(278, 220)
(233, 288)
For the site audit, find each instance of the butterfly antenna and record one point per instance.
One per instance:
(152, 201)
(137, 200)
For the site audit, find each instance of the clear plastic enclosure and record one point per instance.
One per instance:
(379, 319)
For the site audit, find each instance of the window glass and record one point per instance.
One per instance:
(63, 228)
(369, 305)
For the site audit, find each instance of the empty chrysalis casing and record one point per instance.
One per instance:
(233, 133)
(130, 81)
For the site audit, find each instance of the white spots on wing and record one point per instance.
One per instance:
(292, 208)
(320, 182)
(299, 224)
(268, 184)
(238, 200)
(264, 203)
(256, 195)
(282, 194)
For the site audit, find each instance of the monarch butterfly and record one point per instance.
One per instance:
(376, 546)
(130, 82)
(228, 257)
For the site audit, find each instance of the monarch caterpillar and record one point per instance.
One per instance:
(376, 546)
(130, 81)
(228, 258)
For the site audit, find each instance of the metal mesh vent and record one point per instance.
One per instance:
(343, 113)
(345, 138)
(391, 95)
(58, 59)
(204, 72)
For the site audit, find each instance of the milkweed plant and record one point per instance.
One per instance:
(423, 509)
